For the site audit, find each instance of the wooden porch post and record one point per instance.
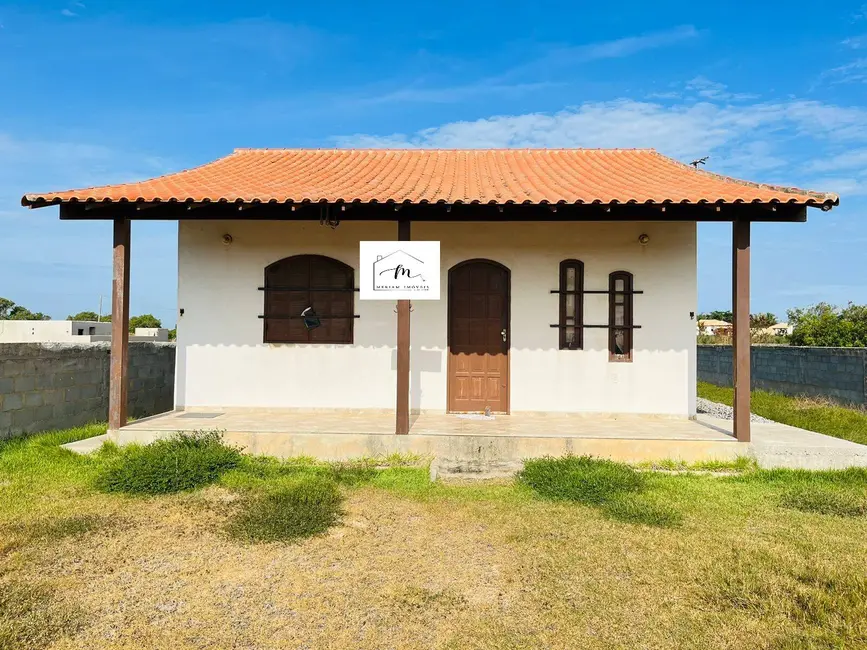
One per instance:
(402, 409)
(117, 389)
(741, 334)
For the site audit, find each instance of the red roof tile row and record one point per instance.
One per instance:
(604, 176)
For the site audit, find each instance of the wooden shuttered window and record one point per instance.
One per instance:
(295, 283)
(620, 322)
(571, 305)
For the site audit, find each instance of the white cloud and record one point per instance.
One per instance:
(632, 44)
(844, 186)
(42, 165)
(508, 83)
(853, 159)
(854, 72)
(707, 89)
(563, 59)
(788, 142)
(453, 94)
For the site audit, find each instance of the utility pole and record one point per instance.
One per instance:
(99, 318)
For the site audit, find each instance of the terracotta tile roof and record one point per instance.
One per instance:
(451, 176)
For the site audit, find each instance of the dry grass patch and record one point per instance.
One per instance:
(415, 564)
(393, 574)
(822, 603)
(33, 616)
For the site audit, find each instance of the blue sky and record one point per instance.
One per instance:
(96, 92)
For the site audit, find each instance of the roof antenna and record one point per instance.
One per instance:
(699, 161)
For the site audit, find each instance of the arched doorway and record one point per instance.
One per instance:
(478, 337)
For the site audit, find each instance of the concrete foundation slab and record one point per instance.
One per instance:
(497, 446)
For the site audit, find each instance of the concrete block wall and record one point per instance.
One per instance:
(836, 373)
(47, 386)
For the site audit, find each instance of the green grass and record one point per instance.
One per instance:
(184, 461)
(739, 464)
(295, 509)
(617, 489)
(633, 509)
(826, 501)
(583, 479)
(256, 472)
(805, 413)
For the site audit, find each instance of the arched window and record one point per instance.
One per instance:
(294, 284)
(571, 305)
(620, 316)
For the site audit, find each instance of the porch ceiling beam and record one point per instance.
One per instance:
(741, 334)
(439, 212)
(119, 362)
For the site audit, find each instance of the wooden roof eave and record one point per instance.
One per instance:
(265, 210)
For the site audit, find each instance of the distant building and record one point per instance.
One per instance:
(779, 329)
(52, 331)
(70, 331)
(713, 327)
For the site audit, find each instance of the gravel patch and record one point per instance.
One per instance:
(723, 412)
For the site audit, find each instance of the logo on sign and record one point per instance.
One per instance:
(400, 270)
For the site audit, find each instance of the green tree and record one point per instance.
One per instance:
(22, 313)
(826, 325)
(6, 306)
(84, 315)
(145, 320)
(10, 311)
(717, 315)
(761, 321)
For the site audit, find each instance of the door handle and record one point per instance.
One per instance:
(503, 334)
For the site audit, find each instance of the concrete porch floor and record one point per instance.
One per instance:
(376, 422)
(497, 446)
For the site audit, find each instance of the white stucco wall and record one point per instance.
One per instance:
(223, 362)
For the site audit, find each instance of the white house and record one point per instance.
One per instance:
(780, 329)
(70, 331)
(569, 278)
(712, 327)
(52, 331)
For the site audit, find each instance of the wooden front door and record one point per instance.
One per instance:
(478, 337)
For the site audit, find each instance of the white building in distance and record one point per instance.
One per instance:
(70, 331)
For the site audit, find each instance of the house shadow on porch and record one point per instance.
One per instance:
(421, 360)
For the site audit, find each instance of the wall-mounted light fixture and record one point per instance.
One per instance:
(643, 239)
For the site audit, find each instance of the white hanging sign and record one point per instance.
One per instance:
(399, 270)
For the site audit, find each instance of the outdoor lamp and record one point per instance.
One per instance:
(311, 320)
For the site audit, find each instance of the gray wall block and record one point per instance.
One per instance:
(60, 385)
(836, 373)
